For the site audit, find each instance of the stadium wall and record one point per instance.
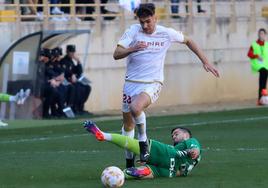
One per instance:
(186, 82)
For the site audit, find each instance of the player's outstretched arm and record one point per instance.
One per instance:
(200, 54)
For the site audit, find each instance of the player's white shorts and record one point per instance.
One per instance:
(132, 89)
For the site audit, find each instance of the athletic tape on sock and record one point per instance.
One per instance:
(141, 125)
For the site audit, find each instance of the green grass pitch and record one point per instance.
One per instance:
(60, 153)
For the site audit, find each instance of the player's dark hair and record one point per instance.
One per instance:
(183, 129)
(262, 30)
(70, 48)
(145, 10)
(56, 52)
(45, 52)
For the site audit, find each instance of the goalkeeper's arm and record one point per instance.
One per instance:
(193, 153)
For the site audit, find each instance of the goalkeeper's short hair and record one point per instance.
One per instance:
(184, 129)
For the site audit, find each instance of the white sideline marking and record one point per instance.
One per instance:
(193, 124)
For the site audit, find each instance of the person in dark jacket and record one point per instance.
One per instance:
(53, 92)
(78, 92)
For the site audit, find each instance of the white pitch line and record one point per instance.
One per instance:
(57, 152)
(193, 124)
(214, 122)
(41, 139)
(92, 152)
(234, 149)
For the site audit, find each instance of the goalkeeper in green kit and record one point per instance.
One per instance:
(164, 160)
(19, 98)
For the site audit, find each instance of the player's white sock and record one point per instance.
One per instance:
(140, 122)
(131, 134)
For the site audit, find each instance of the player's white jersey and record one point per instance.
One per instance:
(147, 65)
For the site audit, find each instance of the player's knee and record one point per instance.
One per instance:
(128, 126)
(135, 110)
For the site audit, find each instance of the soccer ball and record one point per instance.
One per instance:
(112, 177)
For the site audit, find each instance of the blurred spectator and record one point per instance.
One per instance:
(90, 10)
(73, 74)
(130, 5)
(56, 56)
(32, 9)
(60, 100)
(258, 54)
(41, 69)
(55, 10)
(46, 91)
(175, 8)
(53, 92)
(38, 10)
(58, 90)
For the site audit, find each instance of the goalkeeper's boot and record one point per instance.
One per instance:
(19, 96)
(91, 127)
(22, 96)
(3, 124)
(144, 153)
(139, 172)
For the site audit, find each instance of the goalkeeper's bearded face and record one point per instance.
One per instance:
(179, 135)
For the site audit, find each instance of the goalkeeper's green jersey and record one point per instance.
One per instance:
(165, 160)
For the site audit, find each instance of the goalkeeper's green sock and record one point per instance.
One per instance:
(126, 143)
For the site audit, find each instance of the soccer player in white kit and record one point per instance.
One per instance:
(145, 46)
